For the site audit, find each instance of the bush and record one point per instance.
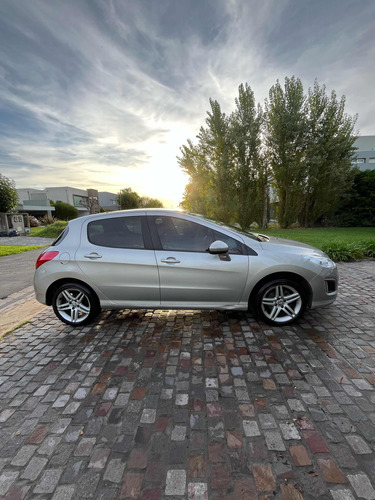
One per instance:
(344, 252)
(357, 206)
(52, 231)
(64, 211)
(47, 220)
(368, 248)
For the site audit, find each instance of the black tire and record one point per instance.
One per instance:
(280, 302)
(75, 304)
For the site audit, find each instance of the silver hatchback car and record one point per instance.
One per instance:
(164, 259)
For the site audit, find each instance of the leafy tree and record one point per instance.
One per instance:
(328, 153)
(65, 211)
(8, 194)
(286, 142)
(128, 199)
(210, 167)
(357, 205)
(250, 169)
(147, 202)
(302, 143)
(197, 195)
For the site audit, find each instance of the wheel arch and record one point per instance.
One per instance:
(63, 281)
(282, 275)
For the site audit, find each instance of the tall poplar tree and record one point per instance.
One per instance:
(286, 143)
(210, 167)
(328, 153)
(249, 166)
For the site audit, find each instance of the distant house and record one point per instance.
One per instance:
(37, 201)
(365, 154)
(108, 201)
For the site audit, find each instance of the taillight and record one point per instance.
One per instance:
(45, 257)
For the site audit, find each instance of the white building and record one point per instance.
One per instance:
(365, 154)
(37, 201)
(108, 201)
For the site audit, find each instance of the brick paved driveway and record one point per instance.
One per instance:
(193, 404)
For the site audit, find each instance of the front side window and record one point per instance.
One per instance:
(235, 246)
(119, 232)
(183, 235)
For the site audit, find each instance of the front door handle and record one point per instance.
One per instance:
(170, 260)
(93, 255)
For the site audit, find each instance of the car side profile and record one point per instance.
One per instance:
(165, 259)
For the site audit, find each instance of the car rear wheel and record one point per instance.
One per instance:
(280, 302)
(74, 304)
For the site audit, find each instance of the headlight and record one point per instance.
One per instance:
(322, 261)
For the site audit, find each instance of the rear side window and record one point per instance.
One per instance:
(119, 232)
(61, 237)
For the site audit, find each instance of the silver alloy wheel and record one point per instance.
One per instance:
(73, 305)
(281, 303)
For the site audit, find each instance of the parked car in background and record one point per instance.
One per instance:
(165, 259)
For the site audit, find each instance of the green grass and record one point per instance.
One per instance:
(340, 243)
(51, 231)
(323, 235)
(12, 249)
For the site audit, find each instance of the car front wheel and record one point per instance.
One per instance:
(74, 304)
(280, 302)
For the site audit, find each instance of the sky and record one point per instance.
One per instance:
(103, 93)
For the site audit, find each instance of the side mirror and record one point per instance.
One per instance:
(218, 247)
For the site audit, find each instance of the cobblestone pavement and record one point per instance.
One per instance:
(192, 404)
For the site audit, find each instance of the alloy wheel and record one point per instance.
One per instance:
(281, 303)
(73, 305)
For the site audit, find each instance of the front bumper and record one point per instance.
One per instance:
(324, 288)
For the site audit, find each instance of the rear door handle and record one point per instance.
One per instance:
(170, 260)
(92, 256)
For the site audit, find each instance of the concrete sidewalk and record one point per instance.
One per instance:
(18, 308)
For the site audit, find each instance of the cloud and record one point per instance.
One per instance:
(104, 92)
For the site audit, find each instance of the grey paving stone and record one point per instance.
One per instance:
(85, 447)
(114, 471)
(72, 471)
(267, 421)
(178, 433)
(87, 485)
(358, 445)
(175, 482)
(48, 481)
(251, 428)
(274, 441)
(23, 455)
(63, 493)
(289, 431)
(362, 486)
(34, 468)
(7, 478)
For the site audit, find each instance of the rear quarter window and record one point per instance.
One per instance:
(62, 236)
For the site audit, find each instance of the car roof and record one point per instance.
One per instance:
(133, 211)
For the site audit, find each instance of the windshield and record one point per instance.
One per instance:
(228, 226)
